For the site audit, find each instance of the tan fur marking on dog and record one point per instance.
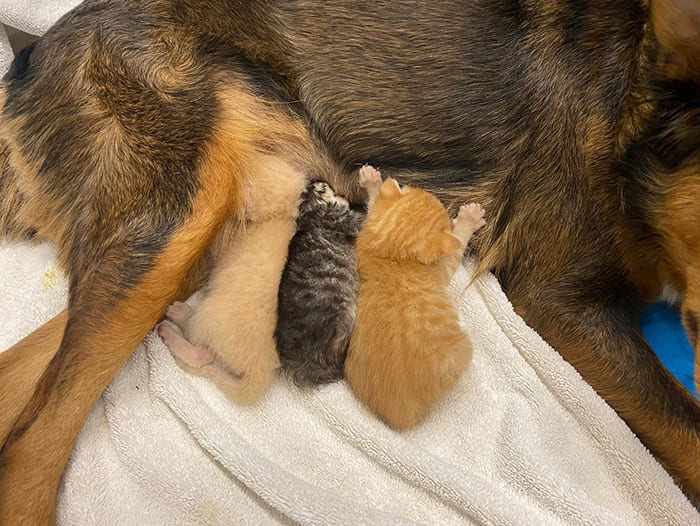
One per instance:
(680, 226)
(677, 27)
(21, 368)
(37, 205)
(680, 219)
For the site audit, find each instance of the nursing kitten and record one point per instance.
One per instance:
(407, 349)
(318, 291)
(229, 336)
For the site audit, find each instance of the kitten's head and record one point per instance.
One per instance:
(408, 224)
(320, 194)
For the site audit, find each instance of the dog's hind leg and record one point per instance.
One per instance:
(22, 366)
(95, 345)
(115, 300)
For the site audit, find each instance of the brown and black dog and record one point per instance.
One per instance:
(131, 130)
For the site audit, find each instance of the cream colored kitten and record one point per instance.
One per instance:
(229, 337)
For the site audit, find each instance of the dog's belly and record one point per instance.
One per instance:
(478, 101)
(464, 85)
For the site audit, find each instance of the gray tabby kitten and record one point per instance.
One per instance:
(318, 291)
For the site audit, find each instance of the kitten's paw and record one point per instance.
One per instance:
(469, 220)
(471, 215)
(370, 176)
(193, 357)
(169, 335)
(179, 313)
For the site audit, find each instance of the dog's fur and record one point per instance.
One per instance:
(407, 349)
(21, 368)
(130, 128)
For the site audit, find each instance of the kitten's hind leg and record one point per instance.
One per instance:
(199, 360)
(179, 313)
(238, 315)
(189, 357)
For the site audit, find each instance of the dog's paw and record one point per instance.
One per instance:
(370, 176)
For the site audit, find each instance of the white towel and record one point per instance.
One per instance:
(29, 16)
(522, 439)
(34, 16)
(5, 50)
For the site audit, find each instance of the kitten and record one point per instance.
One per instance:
(407, 349)
(318, 291)
(229, 336)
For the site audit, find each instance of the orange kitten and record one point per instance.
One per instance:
(407, 349)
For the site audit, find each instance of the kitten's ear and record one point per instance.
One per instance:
(450, 243)
(676, 24)
(433, 249)
(389, 188)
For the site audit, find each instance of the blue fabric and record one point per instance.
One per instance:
(662, 327)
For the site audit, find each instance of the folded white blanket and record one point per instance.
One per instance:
(5, 50)
(522, 439)
(29, 16)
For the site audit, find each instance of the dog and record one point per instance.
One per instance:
(129, 129)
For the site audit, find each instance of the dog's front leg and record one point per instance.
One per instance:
(603, 342)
